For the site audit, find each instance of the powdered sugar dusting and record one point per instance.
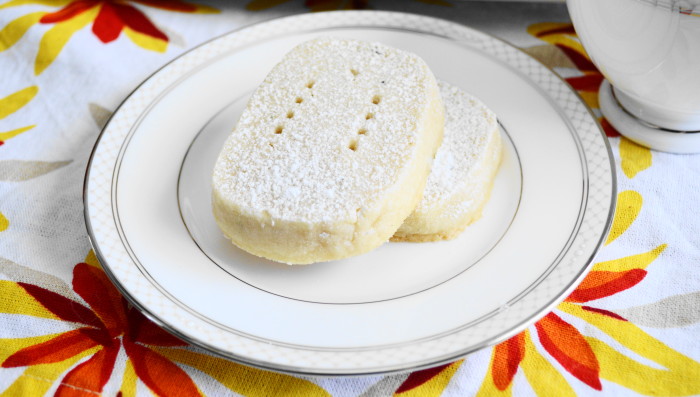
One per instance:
(326, 133)
(469, 125)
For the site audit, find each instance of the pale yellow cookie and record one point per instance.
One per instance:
(463, 171)
(331, 153)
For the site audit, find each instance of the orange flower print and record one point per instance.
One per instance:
(109, 347)
(587, 358)
(565, 340)
(566, 344)
(560, 339)
(107, 324)
(507, 358)
(109, 18)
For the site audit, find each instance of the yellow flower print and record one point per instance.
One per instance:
(105, 327)
(109, 19)
(13, 103)
(4, 223)
(587, 358)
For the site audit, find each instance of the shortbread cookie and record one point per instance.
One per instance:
(331, 153)
(462, 174)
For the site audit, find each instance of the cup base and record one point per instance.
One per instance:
(644, 133)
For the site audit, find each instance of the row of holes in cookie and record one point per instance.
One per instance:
(362, 131)
(290, 113)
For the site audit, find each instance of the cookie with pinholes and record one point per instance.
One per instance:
(331, 153)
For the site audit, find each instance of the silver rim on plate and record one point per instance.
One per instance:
(595, 217)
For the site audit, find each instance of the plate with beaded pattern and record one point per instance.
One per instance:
(403, 306)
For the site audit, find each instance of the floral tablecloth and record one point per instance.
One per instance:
(632, 326)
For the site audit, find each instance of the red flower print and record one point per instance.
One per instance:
(109, 19)
(114, 15)
(107, 323)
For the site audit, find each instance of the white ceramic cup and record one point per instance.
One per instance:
(649, 50)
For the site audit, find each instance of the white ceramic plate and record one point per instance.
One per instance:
(402, 306)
